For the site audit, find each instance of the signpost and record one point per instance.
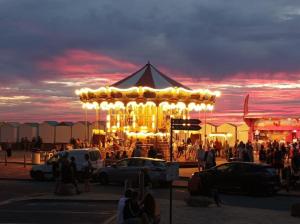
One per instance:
(180, 124)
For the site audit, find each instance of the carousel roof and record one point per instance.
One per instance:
(148, 76)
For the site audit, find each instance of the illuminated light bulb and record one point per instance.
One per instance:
(181, 106)
(173, 106)
(210, 107)
(132, 103)
(90, 106)
(118, 105)
(217, 93)
(191, 106)
(95, 105)
(104, 106)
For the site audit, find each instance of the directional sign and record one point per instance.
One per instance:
(184, 127)
(185, 121)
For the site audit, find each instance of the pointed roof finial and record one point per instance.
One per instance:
(148, 63)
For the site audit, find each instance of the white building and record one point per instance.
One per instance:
(227, 132)
(47, 131)
(28, 130)
(81, 130)
(9, 132)
(63, 132)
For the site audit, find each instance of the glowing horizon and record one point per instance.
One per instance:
(54, 98)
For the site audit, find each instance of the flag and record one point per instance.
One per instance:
(246, 105)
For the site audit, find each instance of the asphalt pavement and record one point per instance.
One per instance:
(57, 212)
(34, 202)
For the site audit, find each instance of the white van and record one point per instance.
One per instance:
(44, 171)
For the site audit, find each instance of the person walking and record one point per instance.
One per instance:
(87, 171)
(210, 160)
(240, 150)
(201, 158)
(137, 151)
(249, 149)
(278, 162)
(64, 168)
(262, 154)
(152, 152)
(74, 174)
(55, 173)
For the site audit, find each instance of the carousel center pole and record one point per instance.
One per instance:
(85, 127)
(205, 136)
(97, 124)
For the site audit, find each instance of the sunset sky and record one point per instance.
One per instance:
(50, 48)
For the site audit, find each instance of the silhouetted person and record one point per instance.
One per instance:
(74, 174)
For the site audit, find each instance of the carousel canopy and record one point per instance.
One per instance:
(148, 76)
(147, 87)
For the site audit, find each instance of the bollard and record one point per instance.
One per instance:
(5, 159)
(24, 159)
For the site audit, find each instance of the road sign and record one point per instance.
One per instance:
(186, 127)
(185, 121)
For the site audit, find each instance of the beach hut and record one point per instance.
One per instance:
(28, 130)
(207, 128)
(1, 124)
(10, 132)
(242, 132)
(81, 130)
(63, 132)
(47, 131)
(227, 131)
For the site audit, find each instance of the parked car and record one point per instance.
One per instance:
(44, 171)
(129, 169)
(242, 177)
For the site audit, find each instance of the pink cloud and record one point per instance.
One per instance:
(79, 62)
(54, 99)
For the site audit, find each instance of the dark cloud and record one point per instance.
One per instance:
(214, 38)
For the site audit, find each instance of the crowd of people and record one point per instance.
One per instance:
(280, 155)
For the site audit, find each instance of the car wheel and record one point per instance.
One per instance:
(39, 176)
(194, 186)
(103, 178)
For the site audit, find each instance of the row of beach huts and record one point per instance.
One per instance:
(49, 131)
(62, 132)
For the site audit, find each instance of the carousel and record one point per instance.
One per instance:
(141, 105)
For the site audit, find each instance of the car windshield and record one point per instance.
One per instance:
(95, 155)
(228, 167)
